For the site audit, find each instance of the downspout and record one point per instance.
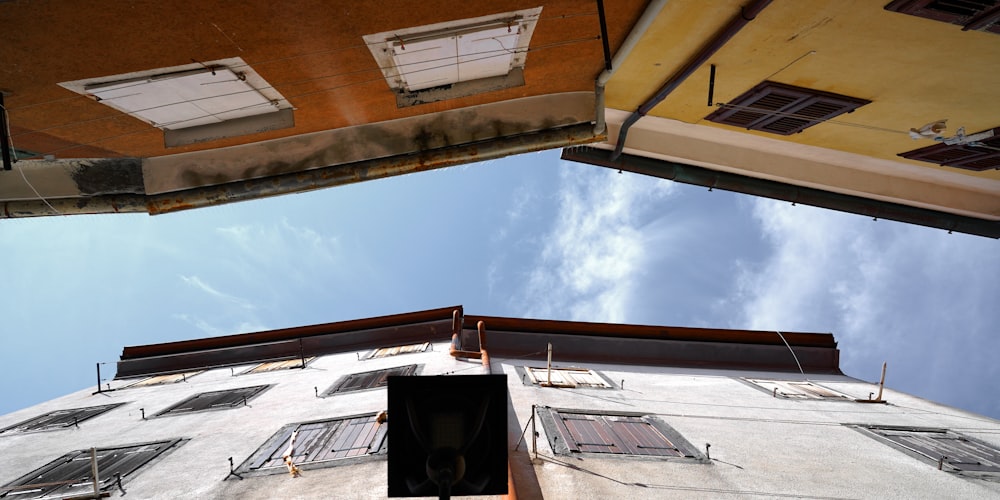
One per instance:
(481, 326)
(747, 13)
(455, 349)
(638, 30)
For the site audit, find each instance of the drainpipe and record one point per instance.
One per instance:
(482, 347)
(638, 30)
(456, 343)
(747, 13)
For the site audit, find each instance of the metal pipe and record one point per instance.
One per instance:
(638, 31)
(881, 383)
(455, 349)
(548, 367)
(481, 326)
(747, 13)
(4, 127)
(107, 204)
(93, 472)
(604, 34)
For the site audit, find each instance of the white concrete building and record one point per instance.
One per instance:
(626, 412)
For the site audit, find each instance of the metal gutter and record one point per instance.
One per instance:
(714, 179)
(799, 339)
(246, 339)
(747, 13)
(337, 175)
(638, 31)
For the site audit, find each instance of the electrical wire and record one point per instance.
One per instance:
(793, 353)
(20, 169)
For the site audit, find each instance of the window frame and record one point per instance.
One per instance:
(557, 434)
(783, 102)
(247, 394)
(383, 48)
(886, 434)
(985, 19)
(254, 465)
(530, 378)
(380, 382)
(263, 367)
(108, 479)
(802, 395)
(378, 352)
(166, 379)
(35, 424)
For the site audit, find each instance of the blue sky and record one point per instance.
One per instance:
(526, 236)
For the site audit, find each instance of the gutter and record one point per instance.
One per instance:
(714, 179)
(638, 31)
(747, 13)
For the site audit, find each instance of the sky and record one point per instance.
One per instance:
(525, 236)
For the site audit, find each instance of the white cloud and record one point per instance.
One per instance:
(588, 263)
(920, 298)
(197, 282)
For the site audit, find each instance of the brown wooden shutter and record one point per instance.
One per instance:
(966, 156)
(981, 15)
(783, 109)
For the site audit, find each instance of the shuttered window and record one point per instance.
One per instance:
(566, 377)
(400, 349)
(783, 109)
(320, 442)
(983, 154)
(959, 453)
(981, 15)
(582, 431)
(60, 419)
(369, 380)
(215, 400)
(790, 389)
(173, 378)
(70, 474)
(272, 366)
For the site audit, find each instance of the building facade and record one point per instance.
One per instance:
(621, 411)
(882, 108)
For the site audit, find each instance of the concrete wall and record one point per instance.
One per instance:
(761, 445)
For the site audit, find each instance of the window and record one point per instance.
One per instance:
(194, 102)
(954, 452)
(60, 419)
(369, 380)
(215, 400)
(583, 431)
(981, 153)
(981, 15)
(790, 389)
(563, 377)
(783, 109)
(69, 475)
(319, 443)
(454, 59)
(163, 379)
(400, 349)
(271, 366)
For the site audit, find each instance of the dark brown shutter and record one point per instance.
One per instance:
(370, 380)
(783, 109)
(76, 467)
(980, 15)
(213, 400)
(957, 451)
(966, 156)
